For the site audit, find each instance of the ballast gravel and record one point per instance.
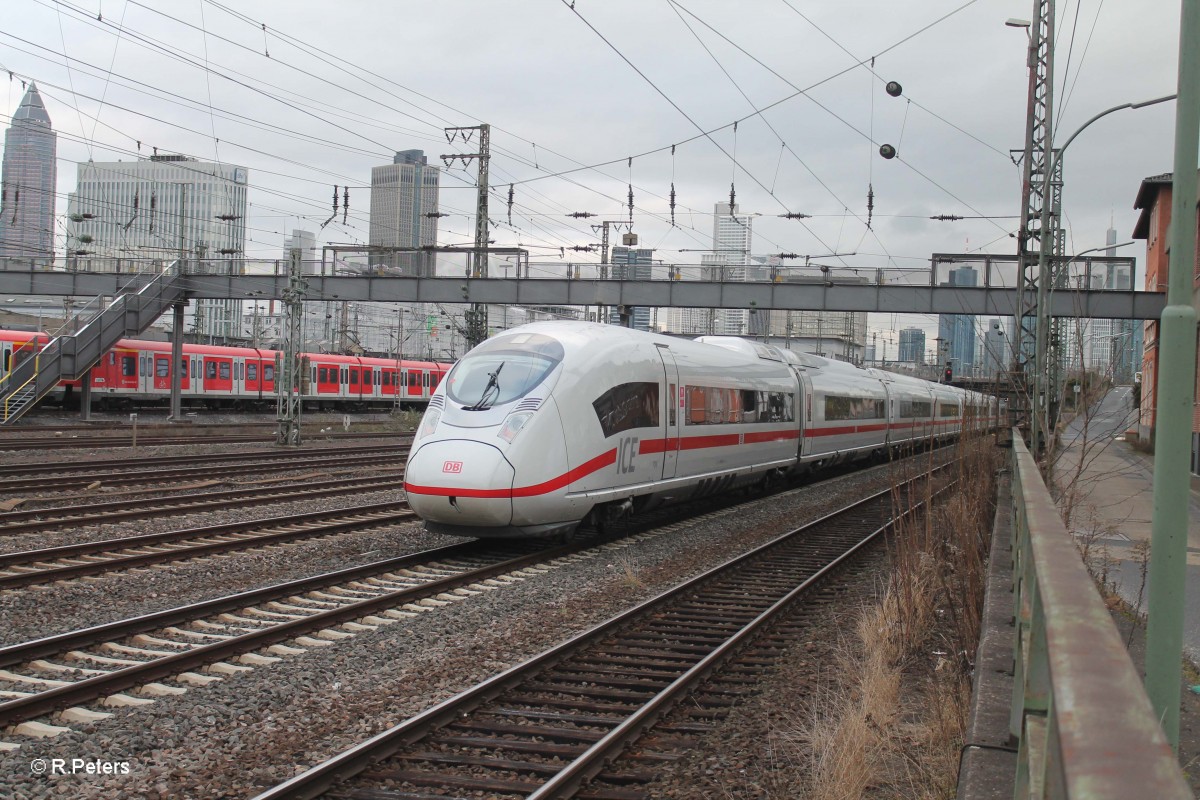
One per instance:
(247, 732)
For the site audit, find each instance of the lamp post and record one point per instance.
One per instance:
(1040, 432)
(1175, 395)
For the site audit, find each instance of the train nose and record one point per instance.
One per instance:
(460, 482)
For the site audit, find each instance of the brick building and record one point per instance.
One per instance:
(1154, 202)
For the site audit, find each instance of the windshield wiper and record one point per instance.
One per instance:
(490, 392)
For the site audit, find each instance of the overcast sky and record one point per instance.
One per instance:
(347, 83)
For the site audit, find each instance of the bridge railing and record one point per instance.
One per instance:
(1085, 726)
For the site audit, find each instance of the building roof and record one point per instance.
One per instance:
(32, 108)
(1146, 198)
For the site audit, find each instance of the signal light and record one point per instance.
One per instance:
(949, 375)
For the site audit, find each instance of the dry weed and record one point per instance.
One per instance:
(875, 729)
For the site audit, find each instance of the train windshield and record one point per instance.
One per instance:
(502, 370)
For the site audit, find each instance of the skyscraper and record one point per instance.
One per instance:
(306, 243)
(631, 264)
(145, 214)
(404, 207)
(957, 331)
(27, 186)
(912, 346)
(732, 238)
(996, 350)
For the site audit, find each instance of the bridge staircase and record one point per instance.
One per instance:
(34, 373)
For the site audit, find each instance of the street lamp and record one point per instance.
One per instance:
(1041, 405)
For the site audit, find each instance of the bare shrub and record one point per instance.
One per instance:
(874, 729)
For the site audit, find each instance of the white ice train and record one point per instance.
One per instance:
(545, 425)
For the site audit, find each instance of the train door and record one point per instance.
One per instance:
(804, 412)
(674, 409)
(162, 373)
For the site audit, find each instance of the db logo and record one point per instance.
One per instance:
(452, 466)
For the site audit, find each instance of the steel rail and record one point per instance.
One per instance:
(132, 478)
(321, 777)
(15, 711)
(12, 470)
(323, 523)
(26, 521)
(44, 442)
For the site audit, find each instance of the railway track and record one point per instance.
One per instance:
(57, 674)
(559, 721)
(39, 520)
(281, 455)
(63, 476)
(34, 567)
(142, 440)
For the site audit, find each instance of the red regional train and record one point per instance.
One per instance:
(138, 372)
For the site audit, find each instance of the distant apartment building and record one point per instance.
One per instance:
(27, 186)
(912, 346)
(145, 214)
(956, 332)
(404, 208)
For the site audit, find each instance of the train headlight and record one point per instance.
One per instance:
(429, 423)
(513, 424)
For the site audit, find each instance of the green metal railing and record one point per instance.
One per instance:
(1085, 725)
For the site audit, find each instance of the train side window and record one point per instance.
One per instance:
(914, 409)
(210, 370)
(128, 366)
(268, 372)
(237, 370)
(404, 379)
(750, 406)
(7, 359)
(162, 367)
(224, 365)
(671, 402)
(354, 377)
(344, 378)
(852, 408)
(252, 372)
(627, 406)
(323, 375)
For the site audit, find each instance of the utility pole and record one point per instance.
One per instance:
(628, 238)
(1037, 165)
(476, 322)
(288, 367)
(1175, 395)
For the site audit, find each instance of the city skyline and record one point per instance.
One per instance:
(953, 145)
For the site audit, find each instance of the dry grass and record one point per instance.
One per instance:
(892, 724)
(630, 571)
